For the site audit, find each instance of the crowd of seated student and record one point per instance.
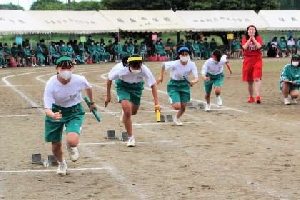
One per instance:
(283, 47)
(93, 51)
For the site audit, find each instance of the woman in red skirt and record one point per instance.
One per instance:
(252, 65)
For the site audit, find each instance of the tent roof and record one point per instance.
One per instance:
(19, 22)
(281, 19)
(221, 20)
(145, 20)
(74, 22)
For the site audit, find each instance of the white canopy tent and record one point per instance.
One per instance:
(74, 22)
(281, 19)
(221, 20)
(145, 20)
(18, 22)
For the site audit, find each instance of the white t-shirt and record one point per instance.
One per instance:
(123, 73)
(210, 66)
(64, 95)
(177, 70)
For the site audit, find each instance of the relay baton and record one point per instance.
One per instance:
(94, 111)
(157, 115)
(187, 80)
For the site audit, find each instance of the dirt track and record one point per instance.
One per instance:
(238, 151)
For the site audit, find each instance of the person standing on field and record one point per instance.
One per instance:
(252, 64)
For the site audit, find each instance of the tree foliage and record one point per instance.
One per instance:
(48, 5)
(10, 6)
(191, 5)
(159, 5)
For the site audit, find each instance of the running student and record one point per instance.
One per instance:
(212, 74)
(62, 101)
(178, 87)
(252, 64)
(290, 80)
(129, 77)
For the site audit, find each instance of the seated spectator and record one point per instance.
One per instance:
(159, 49)
(169, 49)
(213, 44)
(291, 45)
(236, 48)
(298, 45)
(143, 50)
(110, 49)
(2, 60)
(196, 50)
(39, 54)
(30, 58)
(283, 47)
(54, 53)
(62, 49)
(273, 48)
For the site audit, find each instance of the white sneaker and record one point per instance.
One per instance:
(287, 101)
(131, 142)
(219, 100)
(177, 121)
(294, 100)
(207, 107)
(121, 123)
(73, 153)
(62, 168)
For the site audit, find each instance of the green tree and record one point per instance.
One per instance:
(191, 5)
(86, 5)
(10, 6)
(48, 5)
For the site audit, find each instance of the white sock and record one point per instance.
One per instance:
(63, 162)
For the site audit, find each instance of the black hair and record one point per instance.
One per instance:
(256, 32)
(65, 64)
(218, 54)
(124, 61)
(136, 63)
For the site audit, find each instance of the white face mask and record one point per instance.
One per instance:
(184, 58)
(295, 64)
(135, 71)
(65, 74)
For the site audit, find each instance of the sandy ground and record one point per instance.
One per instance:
(237, 151)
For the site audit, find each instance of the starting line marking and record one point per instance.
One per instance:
(51, 170)
(160, 123)
(114, 143)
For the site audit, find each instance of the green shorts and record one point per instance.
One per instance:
(215, 80)
(72, 119)
(179, 91)
(129, 91)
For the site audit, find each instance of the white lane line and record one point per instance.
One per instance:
(50, 170)
(160, 123)
(96, 143)
(32, 103)
(265, 190)
(18, 85)
(115, 143)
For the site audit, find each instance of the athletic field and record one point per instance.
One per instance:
(237, 151)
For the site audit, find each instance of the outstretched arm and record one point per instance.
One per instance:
(108, 87)
(161, 76)
(228, 67)
(155, 96)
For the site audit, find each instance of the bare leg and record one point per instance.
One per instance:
(57, 151)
